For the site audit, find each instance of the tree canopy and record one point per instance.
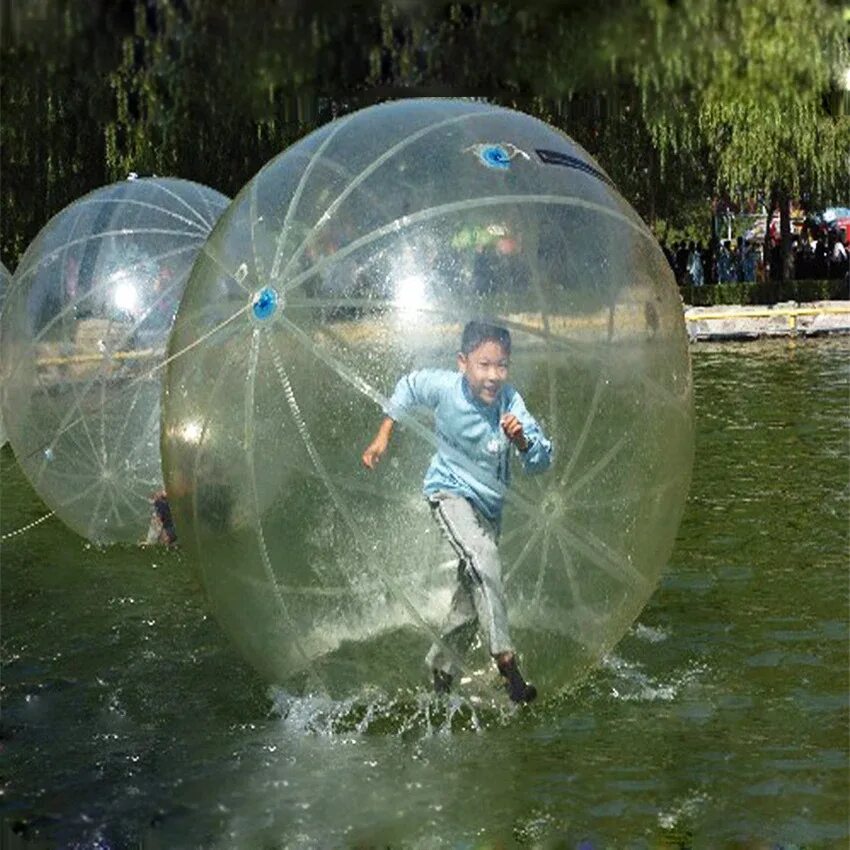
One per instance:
(679, 101)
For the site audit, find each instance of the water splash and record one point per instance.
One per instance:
(413, 714)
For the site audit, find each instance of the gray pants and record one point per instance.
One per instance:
(478, 598)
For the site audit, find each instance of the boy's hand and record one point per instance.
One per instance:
(375, 449)
(374, 452)
(513, 431)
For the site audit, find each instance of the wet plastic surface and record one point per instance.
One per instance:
(355, 257)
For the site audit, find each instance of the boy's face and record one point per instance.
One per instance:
(486, 370)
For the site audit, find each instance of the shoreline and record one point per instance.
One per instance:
(785, 319)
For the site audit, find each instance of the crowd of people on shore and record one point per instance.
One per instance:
(819, 255)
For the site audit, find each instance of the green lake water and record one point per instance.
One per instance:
(721, 719)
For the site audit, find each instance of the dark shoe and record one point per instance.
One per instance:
(162, 511)
(518, 689)
(442, 682)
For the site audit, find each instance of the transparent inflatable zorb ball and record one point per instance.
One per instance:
(84, 331)
(350, 261)
(5, 281)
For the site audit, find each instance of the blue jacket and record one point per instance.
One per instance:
(472, 450)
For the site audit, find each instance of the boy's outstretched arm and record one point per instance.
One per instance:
(375, 450)
(422, 388)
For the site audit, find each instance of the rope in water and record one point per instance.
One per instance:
(26, 527)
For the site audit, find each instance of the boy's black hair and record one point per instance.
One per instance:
(475, 333)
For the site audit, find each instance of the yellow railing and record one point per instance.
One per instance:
(68, 359)
(354, 331)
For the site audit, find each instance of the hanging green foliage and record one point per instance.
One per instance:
(679, 101)
(750, 83)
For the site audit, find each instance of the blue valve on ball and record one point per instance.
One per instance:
(265, 303)
(495, 156)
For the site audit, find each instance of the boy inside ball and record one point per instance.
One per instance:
(479, 418)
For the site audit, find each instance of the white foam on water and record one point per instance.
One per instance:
(650, 634)
(633, 684)
(685, 810)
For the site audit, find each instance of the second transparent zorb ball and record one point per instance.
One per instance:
(84, 330)
(357, 258)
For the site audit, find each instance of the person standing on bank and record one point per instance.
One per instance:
(479, 417)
